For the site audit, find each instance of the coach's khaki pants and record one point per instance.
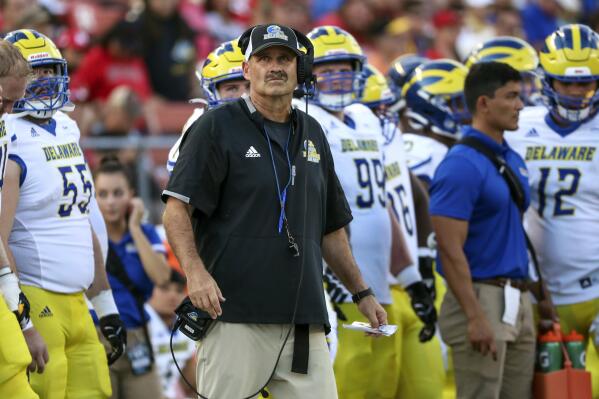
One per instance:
(235, 360)
(478, 376)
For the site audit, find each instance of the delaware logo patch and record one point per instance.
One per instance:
(310, 150)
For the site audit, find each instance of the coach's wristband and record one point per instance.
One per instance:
(358, 296)
(104, 304)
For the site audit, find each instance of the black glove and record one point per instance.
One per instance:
(22, 311)
(425, 266)
(424, 307)
(114, 331)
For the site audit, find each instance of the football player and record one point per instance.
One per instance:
(559, 145)
(15, 358)
(45, 215)
(435, 108)
(519, 55)
(398, 75)
(421, 371)
(364, 367)
(222, 80)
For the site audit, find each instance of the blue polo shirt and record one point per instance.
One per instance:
(127, 252)
(467, 186)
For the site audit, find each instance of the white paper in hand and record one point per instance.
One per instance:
(385, 329)
(511, 298)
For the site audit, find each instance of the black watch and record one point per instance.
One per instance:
(358, 296)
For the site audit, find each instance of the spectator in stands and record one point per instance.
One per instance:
(13, 11)
(540, 19)
(292, 13)
(161, 308)
(508, 22)
(220, 22)
(476, 27)
(168, 49)
(73, 44)
(135, 263)
(447, 27)
(115, 62)
(354, 16)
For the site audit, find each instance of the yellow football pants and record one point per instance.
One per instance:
(365, 367)
(421, 371)
(14, 357)
(77, 368)
(579, 317)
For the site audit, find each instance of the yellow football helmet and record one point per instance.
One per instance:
(336, 90)
(519, 55)
(571, 54)
(376, 89)
(222, 64)
(434, 97)
(45, 95)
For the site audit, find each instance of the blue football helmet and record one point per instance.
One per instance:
(399, 74)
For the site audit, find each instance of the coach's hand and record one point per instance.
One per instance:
(204, 292)
(113, 329)
(481, 337)
(373, 311)
(37, 348)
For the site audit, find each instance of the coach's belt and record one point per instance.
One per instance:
(520, 284)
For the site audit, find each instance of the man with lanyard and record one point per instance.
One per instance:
(486, 317)
(255, 178)
(559, 148)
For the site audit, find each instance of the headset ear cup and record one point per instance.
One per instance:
(301, 69)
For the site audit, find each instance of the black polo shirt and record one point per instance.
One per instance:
(225, 171)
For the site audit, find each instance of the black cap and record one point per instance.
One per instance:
(264, 36)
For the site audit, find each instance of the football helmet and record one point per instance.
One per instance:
(377, 96)
(222, 64)
(399, 73)
(44, 95)
(519, 55)
(335, 91)
(435, 98)
(571, 54)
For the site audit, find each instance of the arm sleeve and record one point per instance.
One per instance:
(337, 209)
(200, 169)
(455, 188)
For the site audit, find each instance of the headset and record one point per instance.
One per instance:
(305, 77)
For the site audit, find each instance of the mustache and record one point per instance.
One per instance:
(276, 75)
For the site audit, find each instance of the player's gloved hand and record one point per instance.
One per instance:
(111, 325)
(15, 300)
(114, 331)
(426, 259)
(424, 307)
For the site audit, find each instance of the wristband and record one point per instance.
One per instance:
(358, 296)
(409, 276)
(104, 304)
(9, 287)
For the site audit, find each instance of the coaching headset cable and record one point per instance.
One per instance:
(262, 390)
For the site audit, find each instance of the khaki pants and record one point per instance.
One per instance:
(126, 385)
(235, 360)
(478, 376)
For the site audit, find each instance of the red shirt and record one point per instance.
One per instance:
(100, 73)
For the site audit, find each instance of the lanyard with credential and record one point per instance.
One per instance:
(282, 194)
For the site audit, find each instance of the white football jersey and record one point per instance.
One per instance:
(399, 188)
(173, 154)
(423, 155)
(51, 236)
(563, 218)
(357, 148)
(183, 348)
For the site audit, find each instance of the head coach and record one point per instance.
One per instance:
(252, 208)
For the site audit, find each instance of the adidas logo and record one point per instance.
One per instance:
(252, 153)
(34, 133)
(46, 312)
(532, 133)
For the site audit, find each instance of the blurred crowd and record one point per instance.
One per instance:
(133, 63)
